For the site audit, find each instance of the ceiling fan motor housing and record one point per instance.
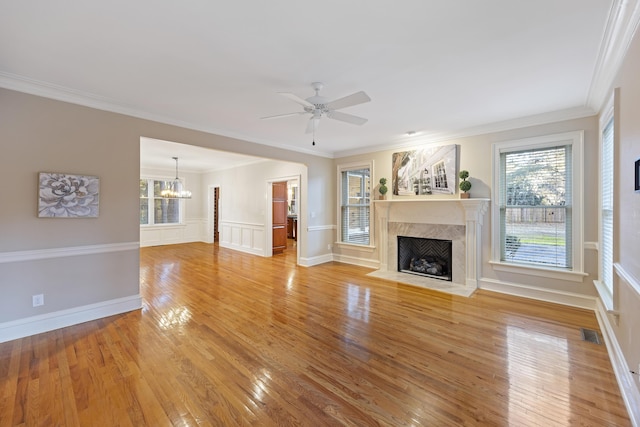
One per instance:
(319, 106)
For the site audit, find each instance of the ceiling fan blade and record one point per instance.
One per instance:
(344, 117)
(283, 115)
(349, 100)
(296, 98)
(312, 125)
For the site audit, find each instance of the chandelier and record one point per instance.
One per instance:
(175, 189)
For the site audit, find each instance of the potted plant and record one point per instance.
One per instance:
(465, 185)
(383, 188)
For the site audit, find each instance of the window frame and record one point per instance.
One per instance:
(150, 188)
(350, 167)
(576, 140)
(607, 291)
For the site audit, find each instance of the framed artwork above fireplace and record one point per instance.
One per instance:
(425, 171)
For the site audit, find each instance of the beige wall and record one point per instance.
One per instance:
(475, 155)
(627, 205)
(44, 135)
(39, 135)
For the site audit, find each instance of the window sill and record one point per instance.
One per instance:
(550, 273)
(364, 248)
(605, 296)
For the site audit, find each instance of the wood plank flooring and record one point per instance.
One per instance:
(227, 339)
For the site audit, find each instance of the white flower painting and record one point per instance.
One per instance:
(68, 196)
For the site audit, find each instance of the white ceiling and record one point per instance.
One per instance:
(157, 154)
(439, 68)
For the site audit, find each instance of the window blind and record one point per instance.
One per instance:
(355, 206)
(606, 239)
(535, 206)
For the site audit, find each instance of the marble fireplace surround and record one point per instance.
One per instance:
(458, 220)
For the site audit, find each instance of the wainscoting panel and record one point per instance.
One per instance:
(244, 237)
(193, 230)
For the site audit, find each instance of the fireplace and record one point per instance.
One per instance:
(425, 257)
(456, 220)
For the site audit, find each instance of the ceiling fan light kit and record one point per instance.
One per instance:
(319, 106)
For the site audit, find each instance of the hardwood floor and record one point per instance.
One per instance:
(227, 339)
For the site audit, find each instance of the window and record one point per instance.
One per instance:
(355, 204)
(155, 209)
(537, 203)
(605, 284)
(606, 207)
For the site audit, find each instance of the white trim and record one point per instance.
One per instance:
(345, 167)
(244, 249)
(61, 93)
(591, 246)
(423, 214)
(243, 237)
(628, 389)
(321, 227)
(624, 275)
(549, 295)
(606, 297)
(61, 319)
(621, 26)
(608, 113)
(247, 224)
(316, 260)
(362, 262)
(535, 270)
(192, 230)
(576, 140)
(353, 246)
(506, 125)
(37, 254)
(267, 250)
(623, 19)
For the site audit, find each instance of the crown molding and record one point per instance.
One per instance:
(621, 26)
(65, 94)
(506, 125)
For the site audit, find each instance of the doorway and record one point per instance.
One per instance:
(293, 212)
(279, 209)
(215, 199)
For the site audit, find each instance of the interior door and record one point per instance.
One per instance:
(216, 199)
(279, 216)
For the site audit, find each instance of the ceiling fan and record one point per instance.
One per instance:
(319, 106)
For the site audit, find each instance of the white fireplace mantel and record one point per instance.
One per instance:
(438, 212)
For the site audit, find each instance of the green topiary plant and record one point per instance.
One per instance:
(465, 185)
(383, 187)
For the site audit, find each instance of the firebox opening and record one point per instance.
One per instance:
(425, 257)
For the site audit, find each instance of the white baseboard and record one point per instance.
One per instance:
(240, 248)
(60, 319)
(558, 297)
(310, 262)
(362, 262)
(630, 393)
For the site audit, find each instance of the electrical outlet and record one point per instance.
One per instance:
(38, 300)
(329, 246)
